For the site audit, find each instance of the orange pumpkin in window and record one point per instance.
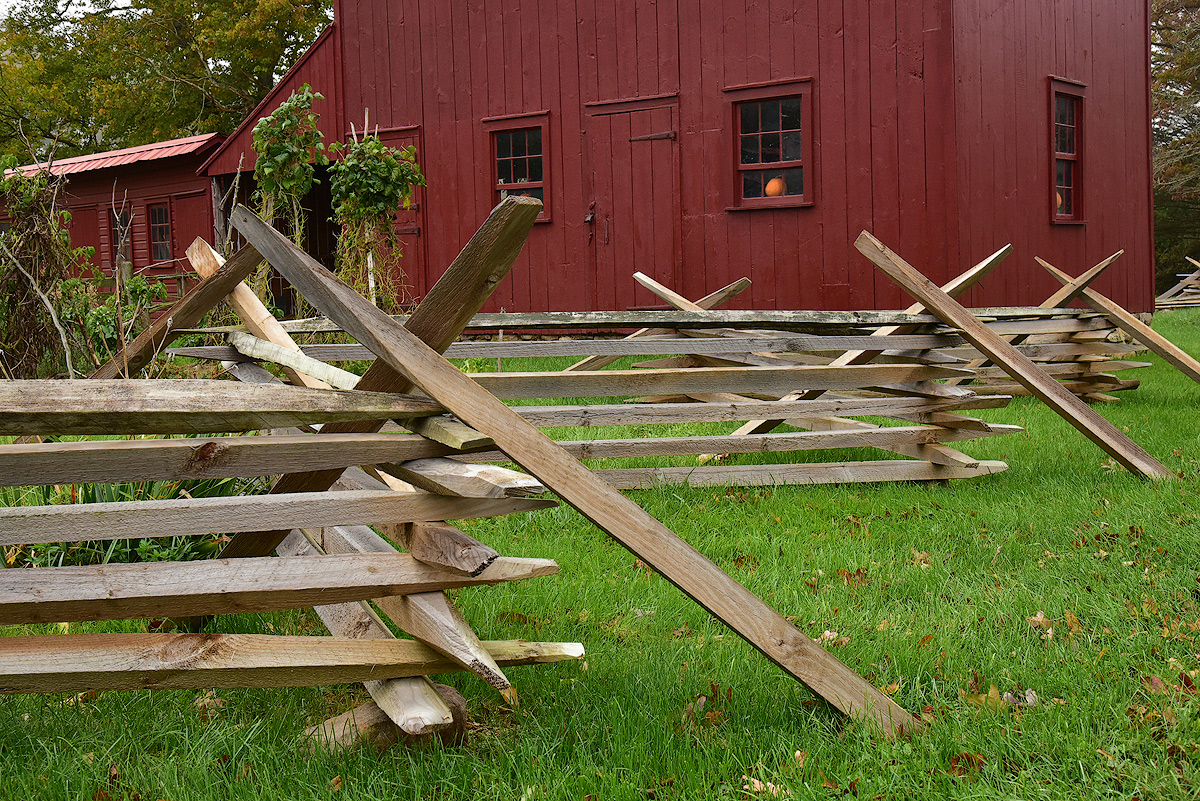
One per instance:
(774, 187)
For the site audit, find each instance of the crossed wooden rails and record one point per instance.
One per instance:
(408, 356)
(1185, 293)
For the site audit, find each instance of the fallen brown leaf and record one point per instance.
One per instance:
(966, 763)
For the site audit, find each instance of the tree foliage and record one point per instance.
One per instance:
(116, 73)
(1175, 52)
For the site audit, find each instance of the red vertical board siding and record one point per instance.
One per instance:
(1004, 59)
(912, 194)
(930, 124)
(885, 190)
(830, 169)
(858, 113)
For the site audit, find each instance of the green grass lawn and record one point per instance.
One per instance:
(930, 589)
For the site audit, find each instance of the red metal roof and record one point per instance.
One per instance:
(129, 155)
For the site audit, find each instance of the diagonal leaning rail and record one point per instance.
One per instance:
(414, 361)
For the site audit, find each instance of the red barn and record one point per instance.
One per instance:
(702, 140)
(141, 206)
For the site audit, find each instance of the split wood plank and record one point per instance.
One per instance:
(735, 411)
(24, 525)
(427, 616)
(872, 437)
(186, 312)
(763, 627)
(710, 301)
(226, 586)
(760, 380)
(770, 475)
(449, 477)
(465, 286)
(85, 662)
(763, 319)
(1168, 350)
(413, 703)
(443, 546)
(103, 461)
(252, 311)
(187, 406)
(449, 432)
(784, 342)
(1052, 393)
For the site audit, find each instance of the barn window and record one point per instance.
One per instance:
(772, 128)
(160, 232)
(519, 163)
(1066, 146)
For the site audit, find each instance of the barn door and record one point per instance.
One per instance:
(634, 213)
(410, 222)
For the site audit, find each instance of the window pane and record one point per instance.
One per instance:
(503, 145)
(792, 146)
(535, 169)
(504, 172)
(794, 180)
(749, 115)
(518, 143)
(770, 115)
(770, 148)
(1066, 202)
(535, 142)
(750, 150)
(1066, 173)
(752, 185)
(519, 174)
(1068, 139)
(791, 114)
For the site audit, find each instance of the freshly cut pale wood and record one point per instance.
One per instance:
(954, 288)
(222, 586)
(428, 616)
(437, 321)
(101, 461)
(733, 411)
(653, 542)
(1168, 350)
(448, 477)
(294, 361)
(186, 312)
(83, 662)
(782, 474)
(25, 525)
(764, 380)
(442, 545)
(253, 313)
(710, 301)
(186, 406)
(449, 432)
(871, 436)
(1052, 393)
(413, 703)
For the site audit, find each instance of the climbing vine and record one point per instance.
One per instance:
(368, 185)
(288, 145)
